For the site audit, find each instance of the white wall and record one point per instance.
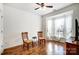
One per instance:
(1, 28)
(17, 21)
(74, 7)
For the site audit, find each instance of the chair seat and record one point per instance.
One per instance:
(41, 38)
(28, 41)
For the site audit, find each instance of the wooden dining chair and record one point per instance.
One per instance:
(41, 38)
(24, 38)
(26, 42)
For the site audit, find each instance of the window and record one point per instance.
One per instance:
(60, 26)
(49, 28)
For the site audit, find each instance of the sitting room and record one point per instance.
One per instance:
(39, 28)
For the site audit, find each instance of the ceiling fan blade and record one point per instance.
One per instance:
(36, 8)
(38, 3)
(49, 6)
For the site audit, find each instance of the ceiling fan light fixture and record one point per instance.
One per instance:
(43, 6)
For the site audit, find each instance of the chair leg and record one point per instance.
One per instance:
(32, 44)
(23, 46)
(38, 42)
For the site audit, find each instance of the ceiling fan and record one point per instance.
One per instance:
(42, 5)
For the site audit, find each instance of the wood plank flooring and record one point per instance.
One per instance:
(51, 48)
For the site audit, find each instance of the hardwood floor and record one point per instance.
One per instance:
(51, 48)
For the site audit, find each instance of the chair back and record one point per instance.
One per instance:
(40, 34)
(24, 36)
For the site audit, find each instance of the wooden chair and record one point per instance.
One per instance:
(26, 41)
(41, 38)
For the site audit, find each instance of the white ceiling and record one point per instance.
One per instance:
(31, 6)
